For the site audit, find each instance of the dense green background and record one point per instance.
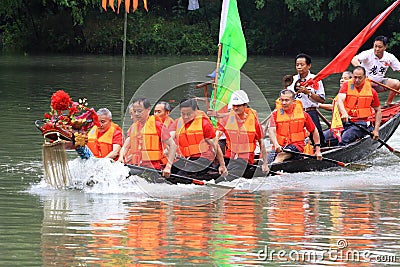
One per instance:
(271, 27)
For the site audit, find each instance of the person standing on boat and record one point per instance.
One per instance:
(146, 138)
(106, 140)
(243, 132)
(162, 110)
(309, 97)
(356, 99)
(377, 61)
(287, 128)
(197, 142)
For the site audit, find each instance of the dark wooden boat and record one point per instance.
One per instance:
(353, 152)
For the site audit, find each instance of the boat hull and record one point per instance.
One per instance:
(350, 153)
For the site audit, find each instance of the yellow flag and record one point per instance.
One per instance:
(336, 123)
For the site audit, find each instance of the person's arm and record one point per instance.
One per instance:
(218, 135)
(118, 140)
(214, 113)
(273, 139)
(124, 149)
(378, 119)
(263, 151)
(115, 152)
(311, 94)
(342, 110)
(355, 61)
(218, 154)
(328, 107)
(166, 172)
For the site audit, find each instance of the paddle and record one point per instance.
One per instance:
(193, 181)
(214, 169)
(350, 166)
(323, 118)
(385, 86)
(391, 149)
(204, 166)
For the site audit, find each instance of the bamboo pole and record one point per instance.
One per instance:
(123, 69)
(323, 118)
(216, 75)
(385, 86)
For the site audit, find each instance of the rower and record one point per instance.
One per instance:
(287, 128)
(162, 110)
(106, 140)
(243, 132)
(196, 140)
(146, 138)
(356, 99)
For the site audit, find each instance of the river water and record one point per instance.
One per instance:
(336, 217)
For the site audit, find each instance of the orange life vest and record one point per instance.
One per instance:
(290, 128)
(241, 139)
(358, 103)
(103, 145)
(191, 140)
(145, 144)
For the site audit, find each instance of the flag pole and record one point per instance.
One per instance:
(123, 69)
(216, 75)
(343, 59)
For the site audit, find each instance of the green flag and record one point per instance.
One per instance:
(233, 55)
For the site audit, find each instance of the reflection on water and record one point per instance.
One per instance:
(88, 230)
(332, 216)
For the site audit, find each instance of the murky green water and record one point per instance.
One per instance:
(331, 216)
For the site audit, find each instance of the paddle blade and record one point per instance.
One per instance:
(396, 152)
(221, 186)
(356, 166)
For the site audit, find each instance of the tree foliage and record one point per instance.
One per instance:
(271, 27)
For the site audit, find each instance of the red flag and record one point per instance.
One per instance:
(343, 59)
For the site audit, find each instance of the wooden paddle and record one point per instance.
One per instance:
(323, 118)
(205, 167)
(385, 86)
(391, 149)
(350, 166)
(235, 176)
(193, 181)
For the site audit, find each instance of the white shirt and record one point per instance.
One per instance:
(305, 99)
(376, 68)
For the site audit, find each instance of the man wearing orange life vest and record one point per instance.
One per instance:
(287, 128)
(146, 138)
(106, 140)
(162, 110)
(196, 140)
(356, 99)
(243, 132)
